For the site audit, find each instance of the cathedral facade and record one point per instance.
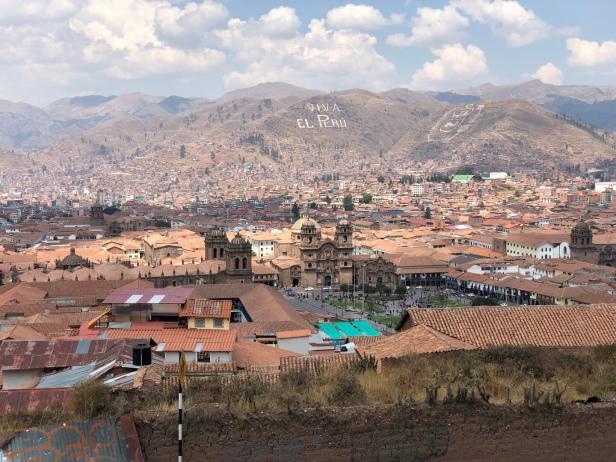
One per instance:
(314, 261)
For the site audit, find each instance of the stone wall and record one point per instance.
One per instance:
(389, 433)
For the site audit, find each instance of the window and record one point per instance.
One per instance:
(203, 357)
(200, 323)
(237, 263)
(222, 252)
(244, 262)
(219, 323)
(215, 253)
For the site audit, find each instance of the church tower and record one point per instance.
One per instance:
(97, 218)
(581, 245)
(215, 244)
(239, 259)
(344, 235)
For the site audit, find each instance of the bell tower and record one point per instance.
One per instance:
(97, 218)
(239, 259)
(344, 234)
(216, 243)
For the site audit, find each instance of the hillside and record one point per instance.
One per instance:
(321, 132)
(592, 105)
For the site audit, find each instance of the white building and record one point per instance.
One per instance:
(538, 245)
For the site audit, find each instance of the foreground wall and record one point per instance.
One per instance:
(390, 433)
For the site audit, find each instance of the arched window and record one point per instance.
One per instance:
(222, 252)
(244, 263)
(237, 263)
(215, 253)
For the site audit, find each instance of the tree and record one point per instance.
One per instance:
(401, 290)
(484, 301)
(366, 198)
(381, 179)
(313, 205)
(347, 203)
(295, 211)
(328, 200)
(427, 213)
(182, 151)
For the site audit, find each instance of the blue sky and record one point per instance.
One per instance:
(55, 48)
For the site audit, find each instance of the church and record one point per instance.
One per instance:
(311, 260)
(600, 249)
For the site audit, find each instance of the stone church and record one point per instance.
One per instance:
(236, 253)
(600, 249)
(310, 260)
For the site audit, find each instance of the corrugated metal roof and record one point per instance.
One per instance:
(102, 439)
(168, 295)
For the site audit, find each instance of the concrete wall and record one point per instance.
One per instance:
(298, 345)
(17, 380)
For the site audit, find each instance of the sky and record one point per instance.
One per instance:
(56, 48)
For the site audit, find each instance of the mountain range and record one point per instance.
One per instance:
(531, 124)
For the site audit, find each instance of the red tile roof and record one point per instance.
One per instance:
(180, 339)
(417, 339)
(543, 325)
(204, 308)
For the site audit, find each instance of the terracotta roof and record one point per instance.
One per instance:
(543, 325)
(262, 303)
(179, 339)
(21, 332)
(250, 354)
(417, 339)
(204, 308)
(293, 333)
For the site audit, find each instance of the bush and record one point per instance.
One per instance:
(605, 352)
(91, 400)
(345, 389)
(527, 360)
(484, 301)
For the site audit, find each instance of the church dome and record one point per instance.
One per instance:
(239, 241)
(72, 260)
(582, 228)
(304, 221)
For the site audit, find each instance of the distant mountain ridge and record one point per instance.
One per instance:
(278, 122)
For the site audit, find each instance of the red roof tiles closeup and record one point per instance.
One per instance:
(204, 308)
(180, 339)
(539, 325)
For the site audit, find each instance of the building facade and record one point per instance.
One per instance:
(592, 249)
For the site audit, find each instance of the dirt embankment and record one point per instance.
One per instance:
(442, 433)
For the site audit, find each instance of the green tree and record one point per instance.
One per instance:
(328, 200)
(401, 290)
(295, 211)
(381, 179)
(313, 205)
(347, 203)
(484, 301)
(366, 198)
(182, 151)
(427, 213)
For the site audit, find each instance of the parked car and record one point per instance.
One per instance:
(308, 289)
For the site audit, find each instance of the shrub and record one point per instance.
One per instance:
(91, 400)
(527, 360)
(345, 389)
(605, 352)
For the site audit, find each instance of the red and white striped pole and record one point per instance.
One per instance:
(181, 382)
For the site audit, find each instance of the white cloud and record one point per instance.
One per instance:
(321, 58)
(586, 53)
(507, 19)
(280, 22)
(36, 10)
(455, 66)
(186, 27)
(432, 26)
(549, 73)
(363, 17)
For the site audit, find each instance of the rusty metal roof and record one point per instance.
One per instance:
(30, 400)
(114, 438)
(45, 354)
